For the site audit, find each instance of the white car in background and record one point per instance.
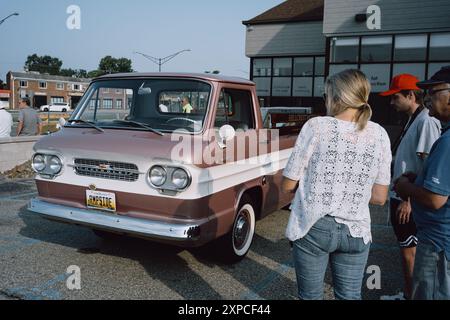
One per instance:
(56, 107)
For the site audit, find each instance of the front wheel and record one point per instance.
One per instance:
(236, 244)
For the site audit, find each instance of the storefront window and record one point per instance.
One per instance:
(410, 47)
(336, 68)
(281, 87)
(282, 67)
(378, 76)
(303, 66)
(302, 87)
(320, 66)
(440, 46)
(376, 49)
(416, 69)
(319, 86)
(262, 67)
(344, 49)
(435, 67)
(262, 87)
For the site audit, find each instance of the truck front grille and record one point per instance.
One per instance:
(106, 169)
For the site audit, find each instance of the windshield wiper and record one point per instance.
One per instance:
(143, 125)
(88, 123)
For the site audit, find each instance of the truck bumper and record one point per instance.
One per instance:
(182, 234)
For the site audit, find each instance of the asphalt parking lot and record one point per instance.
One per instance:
(35, 255)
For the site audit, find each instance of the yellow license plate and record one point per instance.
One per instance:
(101, 200)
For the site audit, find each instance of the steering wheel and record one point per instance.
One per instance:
(182, 119)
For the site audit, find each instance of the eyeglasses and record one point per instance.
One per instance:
(431, 92)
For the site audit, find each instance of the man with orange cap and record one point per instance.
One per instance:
(409, 152)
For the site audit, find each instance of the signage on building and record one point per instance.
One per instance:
(373, 17)
(302, 87)
(378, 75)
(281, 87)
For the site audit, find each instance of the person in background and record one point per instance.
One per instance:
(429, 193)
(29, 121)
(187, 108)
(6, 123)
(409, 152)
(341, 163)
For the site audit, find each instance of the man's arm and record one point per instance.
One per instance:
(431, 200)
(19, 127)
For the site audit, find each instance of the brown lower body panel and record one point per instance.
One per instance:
(216, 212)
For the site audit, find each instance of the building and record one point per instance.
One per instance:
(45, 89)
(112, 98)
(294, 46)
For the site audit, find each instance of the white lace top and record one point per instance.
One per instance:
(336, 166)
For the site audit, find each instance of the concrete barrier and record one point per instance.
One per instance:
(15, 151)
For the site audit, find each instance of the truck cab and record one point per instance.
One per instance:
(184, 159)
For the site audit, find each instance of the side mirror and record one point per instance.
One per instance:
(226, 133)
(61, 123)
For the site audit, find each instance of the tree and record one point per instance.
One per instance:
(2, 85)
(81, 73)
(67, 72)
(109, 64)
(43, 64)
(95, 73)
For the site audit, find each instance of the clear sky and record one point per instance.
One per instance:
(212, 29)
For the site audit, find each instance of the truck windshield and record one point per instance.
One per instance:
(161, 105)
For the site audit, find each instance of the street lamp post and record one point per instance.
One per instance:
(12, 14)
(161, 61)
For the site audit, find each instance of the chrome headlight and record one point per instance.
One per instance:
(180, 178)
(158, 176)
(55, 165)
(38, 163)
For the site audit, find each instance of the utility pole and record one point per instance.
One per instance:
(161, 61)
(12, 14)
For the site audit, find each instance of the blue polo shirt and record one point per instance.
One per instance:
(433, 226)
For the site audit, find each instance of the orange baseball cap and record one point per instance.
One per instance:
(402, 82)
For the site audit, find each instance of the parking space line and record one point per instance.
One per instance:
(16, 244)
(41, 292)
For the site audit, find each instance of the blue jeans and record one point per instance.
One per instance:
(431, 280)
(330, 241)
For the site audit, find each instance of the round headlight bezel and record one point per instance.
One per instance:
(51, 165)
(185, 177)
(151, 176)
(43, 163)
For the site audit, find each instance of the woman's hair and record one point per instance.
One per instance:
(349, 89)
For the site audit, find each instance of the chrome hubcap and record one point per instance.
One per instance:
(241, 230)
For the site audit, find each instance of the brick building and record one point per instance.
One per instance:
(45, 89)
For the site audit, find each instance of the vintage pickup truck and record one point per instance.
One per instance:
(184, 159)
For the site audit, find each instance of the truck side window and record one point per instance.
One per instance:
(235, 108)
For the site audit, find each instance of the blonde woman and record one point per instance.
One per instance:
(340, 163)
